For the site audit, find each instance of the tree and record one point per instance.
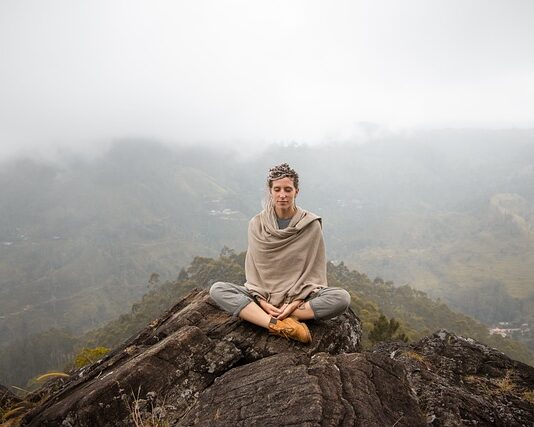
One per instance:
(89, 355)
(385, 330)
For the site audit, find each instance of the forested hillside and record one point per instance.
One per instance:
(79, 240)
(417, 314)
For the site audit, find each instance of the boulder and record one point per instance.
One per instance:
(169, 364)
(459, 381)
(322, 390)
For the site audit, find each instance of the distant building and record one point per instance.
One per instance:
(498, 331)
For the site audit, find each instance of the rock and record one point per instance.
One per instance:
(459, 381)
(11, 407)
(199, 366)
(324, 390)
(176, 358)
(7, 398)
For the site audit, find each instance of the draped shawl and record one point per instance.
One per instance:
(288, 264)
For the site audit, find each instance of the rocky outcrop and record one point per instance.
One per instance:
(324, 390)
(198, 366)
(174, 360)
(459, 381)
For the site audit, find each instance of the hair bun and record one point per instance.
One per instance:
(282, 171)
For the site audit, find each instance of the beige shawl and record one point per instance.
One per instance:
(285, 265)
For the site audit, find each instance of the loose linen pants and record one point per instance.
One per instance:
(325, 302)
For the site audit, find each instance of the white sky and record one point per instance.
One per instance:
(74, 72)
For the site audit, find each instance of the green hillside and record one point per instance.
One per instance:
(480, 262)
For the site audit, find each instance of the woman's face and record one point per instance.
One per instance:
(283, 192)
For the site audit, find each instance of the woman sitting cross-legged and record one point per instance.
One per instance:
(285, 266)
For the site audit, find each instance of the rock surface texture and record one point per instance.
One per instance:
(198, 366)
(7, 398)
(459, 381)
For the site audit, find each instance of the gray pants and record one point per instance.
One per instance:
(325, 303)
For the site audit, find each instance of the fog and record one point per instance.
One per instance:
(74, 76)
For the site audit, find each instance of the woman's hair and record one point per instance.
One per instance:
(282, 171)
(278, 172)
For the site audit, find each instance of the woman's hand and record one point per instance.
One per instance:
(269, 308)
(287, 309)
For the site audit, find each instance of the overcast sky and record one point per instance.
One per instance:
(77, 73)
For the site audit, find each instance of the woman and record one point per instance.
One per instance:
(285, 266)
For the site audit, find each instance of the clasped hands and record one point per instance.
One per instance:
(280, 312)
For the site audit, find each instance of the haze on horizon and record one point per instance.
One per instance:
(75, 75)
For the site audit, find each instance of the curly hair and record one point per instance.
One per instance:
(282, 171)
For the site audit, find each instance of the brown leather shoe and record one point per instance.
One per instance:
(292, 329)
